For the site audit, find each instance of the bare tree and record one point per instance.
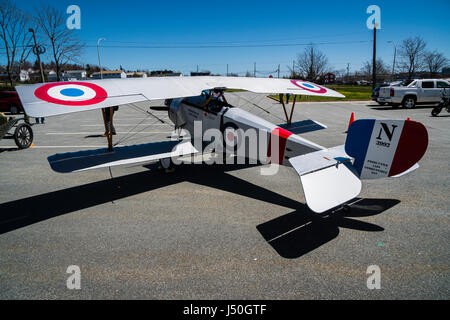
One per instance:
(411, 54)
(382, 71)
(311, 63)
(63, 43)
(340, 74)
(15, 38)
(434, 62)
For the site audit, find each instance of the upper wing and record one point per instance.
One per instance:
(42, 100)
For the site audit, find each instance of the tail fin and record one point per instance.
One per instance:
(378, 148)
(385, 148)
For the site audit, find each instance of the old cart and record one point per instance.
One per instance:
(22, 135)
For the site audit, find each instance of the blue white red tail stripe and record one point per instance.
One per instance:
(385, 148)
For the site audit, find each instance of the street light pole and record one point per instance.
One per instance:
(374, 58)
(395, 53)
(98, 53)
(36, 49)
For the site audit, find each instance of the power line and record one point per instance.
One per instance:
(228, 42)
(228, 46)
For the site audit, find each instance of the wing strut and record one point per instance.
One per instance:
(288, 119)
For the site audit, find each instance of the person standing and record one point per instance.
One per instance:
(287, 97)
(42, 120)
(108, 117)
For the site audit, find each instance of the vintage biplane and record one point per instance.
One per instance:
(331, 177)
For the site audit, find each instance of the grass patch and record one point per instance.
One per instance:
(351, 93)
(6, 87)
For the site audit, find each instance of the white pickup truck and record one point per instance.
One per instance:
(425, 91)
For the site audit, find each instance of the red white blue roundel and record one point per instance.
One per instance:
(71, 93)
(309, 86)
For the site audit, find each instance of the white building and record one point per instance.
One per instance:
(72, 75)
(110, 74)
(137, 74)
(24, 75)
(51, 76)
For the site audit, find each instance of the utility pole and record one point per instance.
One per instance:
(36, 51)
(293, 68)
(197, 68)
(254, 70)
(278, 71)
(348, 70)
(374, 60)
(227, 69)
(98, 54)
(393, 64)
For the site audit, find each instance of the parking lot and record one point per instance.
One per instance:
(217, 232)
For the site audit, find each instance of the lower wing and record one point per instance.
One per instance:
(101, 158)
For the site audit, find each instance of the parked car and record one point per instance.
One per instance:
(424, 91)
(376, 91)
(10, 102)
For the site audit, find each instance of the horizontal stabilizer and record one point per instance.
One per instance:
(327, 177)
(100, 158)
(319, 160)
(304, 126)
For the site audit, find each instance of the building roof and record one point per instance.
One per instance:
(110, 72)
(75, 71)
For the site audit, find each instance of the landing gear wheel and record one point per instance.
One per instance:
(166, 163)
(23, 136)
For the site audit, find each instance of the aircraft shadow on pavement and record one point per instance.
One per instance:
(23, 212)
(291, 235)
(9, 149)
(302, 231)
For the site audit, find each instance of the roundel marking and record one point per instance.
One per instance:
(309, 86)
(71, 93)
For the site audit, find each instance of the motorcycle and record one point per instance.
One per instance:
(444, 103)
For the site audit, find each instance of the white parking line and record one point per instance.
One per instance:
(56, 147)
(53, 147)
(150, 118)
(97, 133)
(123, 125)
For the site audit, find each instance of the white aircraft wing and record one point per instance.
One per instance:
(126, 155)
(42, 100)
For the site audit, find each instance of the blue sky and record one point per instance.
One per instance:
(137, 23)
